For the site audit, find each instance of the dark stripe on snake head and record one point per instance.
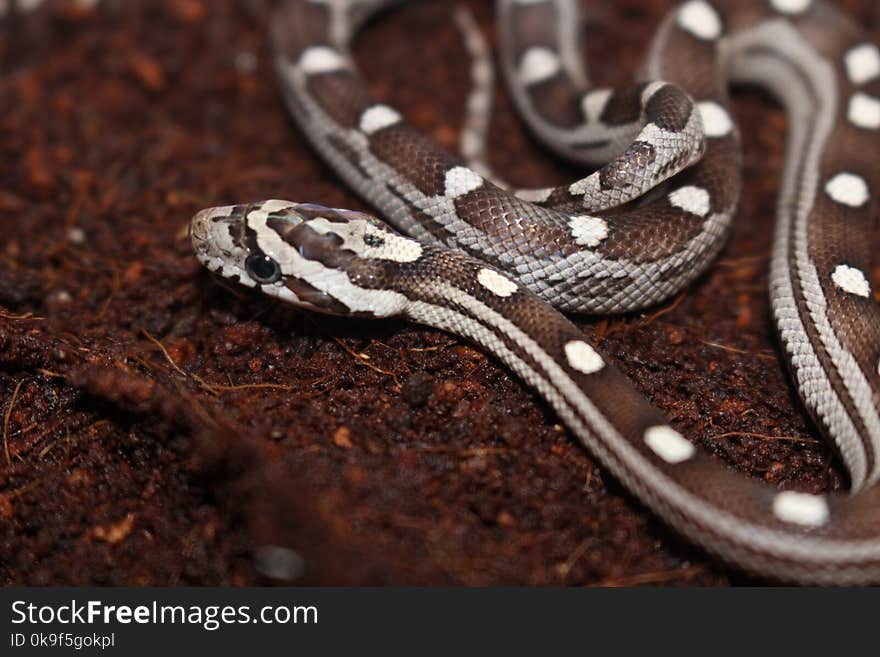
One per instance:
(333, 215)
(314, 297)
(325, 248)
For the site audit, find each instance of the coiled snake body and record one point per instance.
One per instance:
(485, 263)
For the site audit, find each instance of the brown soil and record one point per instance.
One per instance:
(161, 427)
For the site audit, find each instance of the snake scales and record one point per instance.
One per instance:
(485, 263)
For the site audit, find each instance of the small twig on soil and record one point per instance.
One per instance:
(217, 389)
(734, 350)
(588, 480)
(270, 386)
(30, 442)
(438, 347)
(363, 359)
(6, 421)
(762, 436)
(202, 383)
(50, 374)
(659, 577)
(467, 452)
(143, 362)
(565, 568)
(48, 448)
(165, 353)
(26, 316)
(665, 310)
(257, 386)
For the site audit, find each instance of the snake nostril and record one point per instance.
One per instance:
(198, 227)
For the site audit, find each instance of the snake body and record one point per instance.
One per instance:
(486, 263)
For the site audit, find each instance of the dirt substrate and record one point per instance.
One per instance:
(163, 427)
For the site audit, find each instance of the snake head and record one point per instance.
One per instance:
(324, 259)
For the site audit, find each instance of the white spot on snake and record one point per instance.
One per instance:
(588, 231)
(583, 357)
(471, 145)
(698, 18)
(538, 64)
(716, 120)
(321, 59)
(848, 189)
(496, 283)
(460, 181)
(864, 111)
(482, 73)
(668, 444)
(378, 117)
(479, 102)
(801, 508)
(593, 104)
(852, 280)
(790, 6)
(534, 195)
(862, 63)
(691, 199)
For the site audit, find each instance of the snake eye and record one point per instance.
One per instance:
(262, 269)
